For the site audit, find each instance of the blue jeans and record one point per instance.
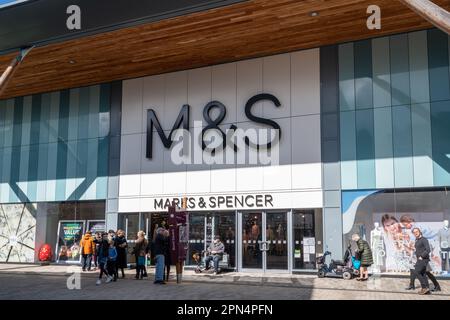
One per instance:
(215, 259)
(87, 261)
(159, 273)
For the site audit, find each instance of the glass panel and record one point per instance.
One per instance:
(276, 237)
(196, 236)
(225, 226)
(304, 240)
(385, 219)
(251, 235)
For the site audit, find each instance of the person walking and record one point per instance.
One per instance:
(167, 259)
(97, 240)
(365, 256)
(121, 247)
(423, 251)
(140, 251)
(413, 277)
(102, 254)
(158, 250)
(112, 260)
(87, 250)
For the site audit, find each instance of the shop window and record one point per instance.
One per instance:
(17, 232)
(385, 218)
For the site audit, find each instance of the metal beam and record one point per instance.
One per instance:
(433, 13)
(12, 67)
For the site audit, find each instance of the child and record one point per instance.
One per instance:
(112, 259)
(102, 254)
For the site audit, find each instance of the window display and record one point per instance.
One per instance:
(395, 214)
(17, 232)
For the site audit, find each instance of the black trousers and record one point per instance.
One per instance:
(111, 268)
(420, 271)
(412, 278)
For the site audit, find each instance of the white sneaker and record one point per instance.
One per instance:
(109, 279)
(98, 282)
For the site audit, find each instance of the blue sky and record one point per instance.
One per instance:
(7, 1)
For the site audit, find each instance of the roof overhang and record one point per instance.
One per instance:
(222, 34)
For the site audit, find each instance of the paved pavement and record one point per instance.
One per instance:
(50, 282)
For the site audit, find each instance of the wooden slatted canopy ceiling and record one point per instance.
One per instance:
(245, 30)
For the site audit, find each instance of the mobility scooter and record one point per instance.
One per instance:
(346, 269)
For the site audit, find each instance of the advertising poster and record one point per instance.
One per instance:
(96, 226)
(389, 232)
(70, 233)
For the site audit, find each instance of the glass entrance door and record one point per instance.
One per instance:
(263, 241)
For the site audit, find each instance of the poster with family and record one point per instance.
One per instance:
(396, 251)
(386, 220)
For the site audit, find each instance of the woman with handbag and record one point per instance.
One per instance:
(140, 252)
(364, 253)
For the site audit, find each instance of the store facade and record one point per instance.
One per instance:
(363, 132)
(263, 213)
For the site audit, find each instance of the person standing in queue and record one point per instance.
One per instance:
(158, 249)
(167, 259)
(121, 247)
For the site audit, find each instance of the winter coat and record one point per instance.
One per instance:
(365, 253)
(87, 244)
(140, 249)
(121, 252)
(112, 254)
(159, 245)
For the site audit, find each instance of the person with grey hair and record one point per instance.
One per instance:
(158, 250)
(365, 256)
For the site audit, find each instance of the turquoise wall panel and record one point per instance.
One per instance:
(2, 122)
(57, 154)
(35, 119)
(348, 150)
(440, 119)
(83, 114)
(365, 149)
(400, 70)
(6, 174)
(422, 146)
(438, 63)
(102, 171)
(346, 77)
(363, 74)
(44, 124)
(381, 72)
(9, 123)
(402, 140)
(418, 59)
(26, 120)
(384, 164)
(94, 112)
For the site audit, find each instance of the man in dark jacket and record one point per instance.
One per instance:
(158, 250)
(423, 251)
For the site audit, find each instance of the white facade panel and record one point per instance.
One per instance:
(295, 179)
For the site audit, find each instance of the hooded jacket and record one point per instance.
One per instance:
(87, 244)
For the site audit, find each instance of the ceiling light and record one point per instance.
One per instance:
(314, 14)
